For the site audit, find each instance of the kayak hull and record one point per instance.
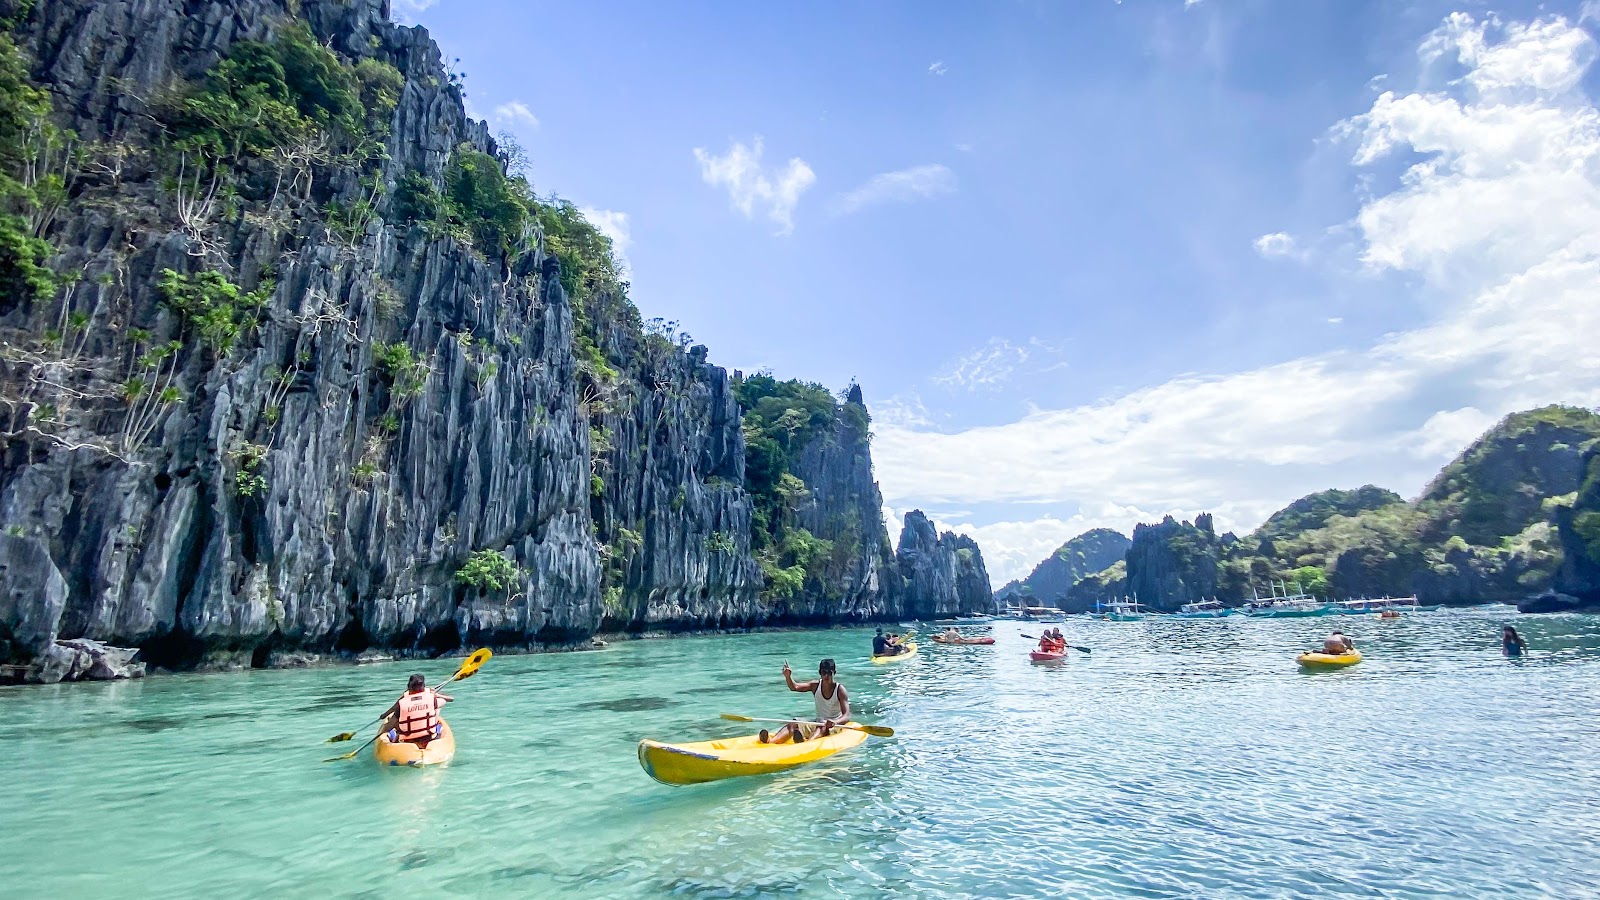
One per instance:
(1040, 656)
(439, 751)
(1321, 661)
(704, 761)
(911, 650)
(980, 640)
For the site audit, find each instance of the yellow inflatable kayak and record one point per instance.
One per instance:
(732, 757)
(1328, 661)
(911, 650)
(405, 753)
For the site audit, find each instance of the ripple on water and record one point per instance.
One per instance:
(1177, 760)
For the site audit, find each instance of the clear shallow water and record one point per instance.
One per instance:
(1181, 759)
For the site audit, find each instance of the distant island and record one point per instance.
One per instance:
(1515, 518)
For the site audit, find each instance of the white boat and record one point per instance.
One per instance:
(1288, 605)
(1378, 605)
(1204, 609)
(1123, 610)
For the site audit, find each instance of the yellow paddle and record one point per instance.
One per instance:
(874, 730)
(469, 667)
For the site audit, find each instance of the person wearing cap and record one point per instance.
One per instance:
(832, 706)
(415, 716)
(886, 645)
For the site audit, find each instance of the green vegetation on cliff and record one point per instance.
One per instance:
(1484, 529)
(780, 418)
(1078, 558)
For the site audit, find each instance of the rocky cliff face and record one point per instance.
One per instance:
(302, 366)
(1485, 530)
(1082, 556)
(1577, 583)
(1174, 562)
(943, 575)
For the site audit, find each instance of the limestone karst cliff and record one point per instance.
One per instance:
(294, 360)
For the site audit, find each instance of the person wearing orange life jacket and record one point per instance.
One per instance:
(415, 716)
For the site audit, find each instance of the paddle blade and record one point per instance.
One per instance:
(733, 718)
(473, 663)
(877, 730)
(350, 755)
(345, 736)
(1082, 649)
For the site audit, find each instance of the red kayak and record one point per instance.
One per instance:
(976, 640)
(1043, 656)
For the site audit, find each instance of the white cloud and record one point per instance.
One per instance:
(1335, 320)
(938, 68)
(613, 225)
(967, 148)
(1499, 226)
(406, 11)
(902, 412)
(996, 362)
(905, 185)
(516, 111)
(1191, 3)
(749, 186)
(1275, 244)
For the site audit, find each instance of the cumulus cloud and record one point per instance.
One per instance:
(752, 188)
(613, 225)
(938, 68)
(516, 111)
(1497, 219)
(903, 186)
(1275, 244)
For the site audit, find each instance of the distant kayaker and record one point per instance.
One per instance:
(833, 706)
(415, 716)
(952, 635)
(1337, 644)
(886, 645)
(1512, 643)
(1060, 640)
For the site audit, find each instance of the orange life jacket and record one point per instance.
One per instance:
(419, 714)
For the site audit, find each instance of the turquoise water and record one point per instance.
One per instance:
(1181, 759)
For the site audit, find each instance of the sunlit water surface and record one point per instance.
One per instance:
(1180, 759)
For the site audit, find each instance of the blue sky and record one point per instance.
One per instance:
(1092, 262)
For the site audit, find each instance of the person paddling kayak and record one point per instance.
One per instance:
(1337, 644)
(832, 706)
(886, 645)
(415, 716)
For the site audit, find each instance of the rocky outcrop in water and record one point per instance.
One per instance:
(324, 376)
(1492, 527)
(943, 574)
(1577, 582)
(1173, 563)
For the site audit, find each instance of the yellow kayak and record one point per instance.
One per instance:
(405, 753)
(732, 757)
(911, 650)
(1328, 661)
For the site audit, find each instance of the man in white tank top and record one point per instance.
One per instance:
(833, 706)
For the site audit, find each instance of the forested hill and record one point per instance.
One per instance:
(1497, 524)
(296, 361)
(1073, 561)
